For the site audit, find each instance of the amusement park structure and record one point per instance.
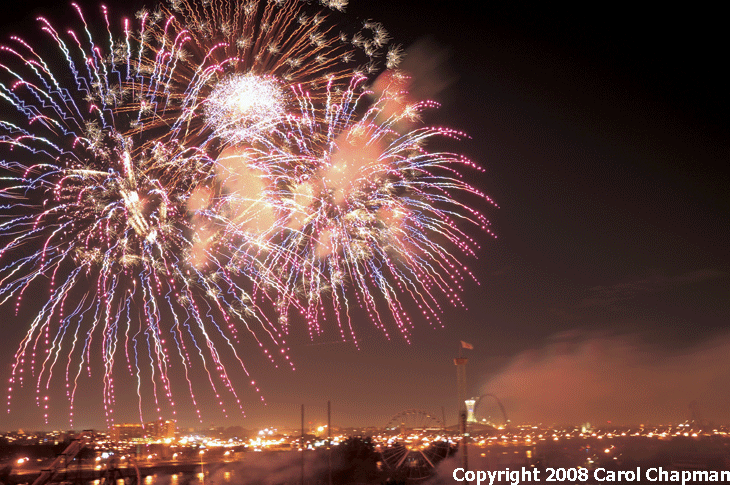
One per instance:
(416, 443)
(62, 461)
(59, 471)
(460, 363)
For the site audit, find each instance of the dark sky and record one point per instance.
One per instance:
(606, 294)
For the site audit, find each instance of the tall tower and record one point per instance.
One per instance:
(461, 381)
(461, 391)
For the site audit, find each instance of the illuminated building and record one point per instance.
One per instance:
(160, 430)
(126, 432)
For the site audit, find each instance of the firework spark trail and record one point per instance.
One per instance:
(249, 55)
(358, 204)
(223, 163)
(96, 216)
(362, 210)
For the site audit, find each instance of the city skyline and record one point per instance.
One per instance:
(604, 295)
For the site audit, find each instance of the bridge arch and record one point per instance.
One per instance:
(481, 398)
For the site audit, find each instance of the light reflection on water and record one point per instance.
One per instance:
(251, 468)
(224, 478)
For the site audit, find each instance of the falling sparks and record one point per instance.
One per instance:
(216, 174)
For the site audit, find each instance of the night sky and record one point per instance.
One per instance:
(604, 297)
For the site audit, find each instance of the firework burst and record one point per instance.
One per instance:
(220, 72)
(220, 166)
(353, 210)
(95, 214)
